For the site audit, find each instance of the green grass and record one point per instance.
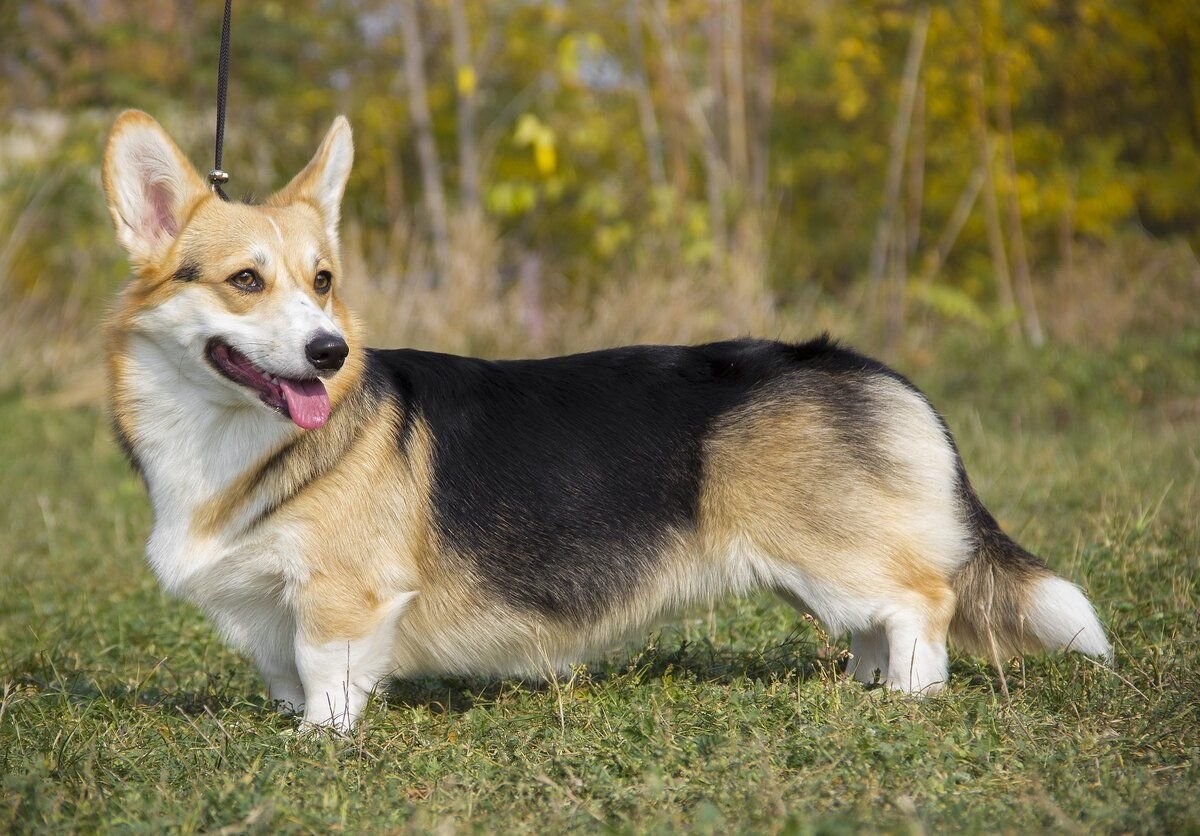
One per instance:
(122, 711)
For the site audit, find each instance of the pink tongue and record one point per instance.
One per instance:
(307, 402)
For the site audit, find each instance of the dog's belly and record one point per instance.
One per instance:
(460, 630)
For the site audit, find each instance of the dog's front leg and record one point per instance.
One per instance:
(339, 673)
(265, 630)
(282, 679)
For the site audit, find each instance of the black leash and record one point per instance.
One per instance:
(216, 177)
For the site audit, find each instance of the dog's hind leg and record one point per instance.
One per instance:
(282, 679)
(868, 655)
(898, 617)
(842, 608)
(916, 627)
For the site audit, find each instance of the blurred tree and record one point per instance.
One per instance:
(670, 131)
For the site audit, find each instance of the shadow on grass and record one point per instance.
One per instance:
(81, 685)
(798, 658)
(62, 676)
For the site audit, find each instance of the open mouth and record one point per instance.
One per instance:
(305, 402)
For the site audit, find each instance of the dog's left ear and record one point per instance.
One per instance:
(149, 185)
(323, 180)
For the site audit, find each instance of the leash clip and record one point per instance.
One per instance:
(216, 178)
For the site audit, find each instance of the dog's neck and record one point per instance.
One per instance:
(189, 448)
(213, 468)
(188, 445)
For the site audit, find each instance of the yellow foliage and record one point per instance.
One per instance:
(509, 199)
(465, 80)
(852, 96)
(544, 155)
(533, 132)
(609, 238)
(950, 302)
(572, 49)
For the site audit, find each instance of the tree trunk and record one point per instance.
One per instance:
(1023, 282)
(714, 68)
(916, 177)
(465, 84)
(529, 279)
(735, 94)
(991, 207)
(715, 173)
(651, 134)
(764, 95)
(427, 153)
(896, 147)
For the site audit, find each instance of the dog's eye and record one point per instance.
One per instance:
(323, 282)
(246, 280)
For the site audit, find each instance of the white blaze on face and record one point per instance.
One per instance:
(296, 320)
(306, 397)
(280, 327)
(275, 226)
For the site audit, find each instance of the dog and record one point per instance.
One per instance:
(346, 514)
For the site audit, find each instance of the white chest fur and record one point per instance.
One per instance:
(193, 444)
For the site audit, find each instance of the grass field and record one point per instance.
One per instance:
(122, 711)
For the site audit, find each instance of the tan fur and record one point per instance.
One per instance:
(388, 544)
(780, 478)
(991, 619)
(912, 572)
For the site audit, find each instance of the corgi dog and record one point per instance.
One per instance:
(345, 514)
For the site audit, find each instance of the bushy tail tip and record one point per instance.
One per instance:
(1062, 618)
(1010, 603)
(1008, 600)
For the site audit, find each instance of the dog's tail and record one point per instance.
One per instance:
(1009, 602)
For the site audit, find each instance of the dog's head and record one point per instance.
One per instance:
(244, 300)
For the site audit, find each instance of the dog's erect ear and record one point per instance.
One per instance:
(149, 185)
(323, 180)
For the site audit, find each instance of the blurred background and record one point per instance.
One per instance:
(540, 177)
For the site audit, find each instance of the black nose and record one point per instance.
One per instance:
(327, 351)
